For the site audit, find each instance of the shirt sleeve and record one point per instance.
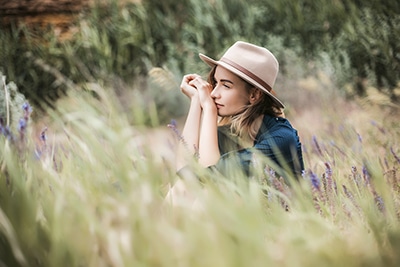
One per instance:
(276, 147)
(283, 149)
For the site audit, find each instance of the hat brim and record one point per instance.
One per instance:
(212, 63)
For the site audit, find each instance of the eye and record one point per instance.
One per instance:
(227, 85)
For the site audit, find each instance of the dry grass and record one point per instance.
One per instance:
(97, 196)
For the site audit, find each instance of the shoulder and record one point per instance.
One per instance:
(275, 126)
(276, 129)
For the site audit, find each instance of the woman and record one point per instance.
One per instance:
(236, 115)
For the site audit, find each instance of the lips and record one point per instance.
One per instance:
(219, 105)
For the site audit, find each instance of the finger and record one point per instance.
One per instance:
(201, 85)
(190, 77)
(198, 81)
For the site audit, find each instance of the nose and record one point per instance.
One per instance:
(215, 93)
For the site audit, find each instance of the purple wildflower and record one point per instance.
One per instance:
(356, 176)
(379, 203)
(7, 133)
(27, 111)
(328, 170)
(174, 128)
(43, 136)
(270, 172)
(366, 175)
(348, 193)
(23, 122)
(359, 137)
(27, 108)
(315, 188)
(2, 128)
(172, 123)
(315, 181)
(328, 176)
(22, 125)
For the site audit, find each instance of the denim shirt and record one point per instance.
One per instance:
(276, 139)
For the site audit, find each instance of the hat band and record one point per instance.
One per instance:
(247, 72)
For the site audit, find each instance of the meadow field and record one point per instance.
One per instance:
(87, 159)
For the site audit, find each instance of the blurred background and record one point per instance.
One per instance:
(141, 49)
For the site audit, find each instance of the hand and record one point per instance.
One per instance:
(188, 89)
(204, 89)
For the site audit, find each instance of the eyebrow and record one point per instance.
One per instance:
(224, 80)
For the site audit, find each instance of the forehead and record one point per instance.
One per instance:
(223, 74)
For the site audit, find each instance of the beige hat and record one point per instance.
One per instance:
(254, 64)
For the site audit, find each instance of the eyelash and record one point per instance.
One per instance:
(224, 84)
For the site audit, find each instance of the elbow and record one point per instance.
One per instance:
(209, 161)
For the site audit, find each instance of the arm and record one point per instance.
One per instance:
(190, 132)
(208, 146)
(208, 142)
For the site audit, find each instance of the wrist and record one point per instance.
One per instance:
(210, 110)
(195, 102)
(194, 99)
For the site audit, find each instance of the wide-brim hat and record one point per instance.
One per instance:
(255, 64)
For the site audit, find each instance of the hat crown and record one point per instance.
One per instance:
(255, 59)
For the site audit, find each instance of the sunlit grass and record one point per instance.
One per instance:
(96, 197)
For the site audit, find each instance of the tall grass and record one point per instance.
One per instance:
(89, 190)
(85, 183)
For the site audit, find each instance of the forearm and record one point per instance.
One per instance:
(190, 134)
(208, 144)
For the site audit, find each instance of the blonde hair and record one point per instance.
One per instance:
(244, 124)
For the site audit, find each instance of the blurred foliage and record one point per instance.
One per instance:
(11, 101)
(126, 40)
(372, 45)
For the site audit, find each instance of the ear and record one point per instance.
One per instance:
(255, 95)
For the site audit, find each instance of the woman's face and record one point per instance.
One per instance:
(229, 93)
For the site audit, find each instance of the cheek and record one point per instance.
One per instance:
(242, 99)
(238, 100)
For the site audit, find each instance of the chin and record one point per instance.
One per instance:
(221, 114)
